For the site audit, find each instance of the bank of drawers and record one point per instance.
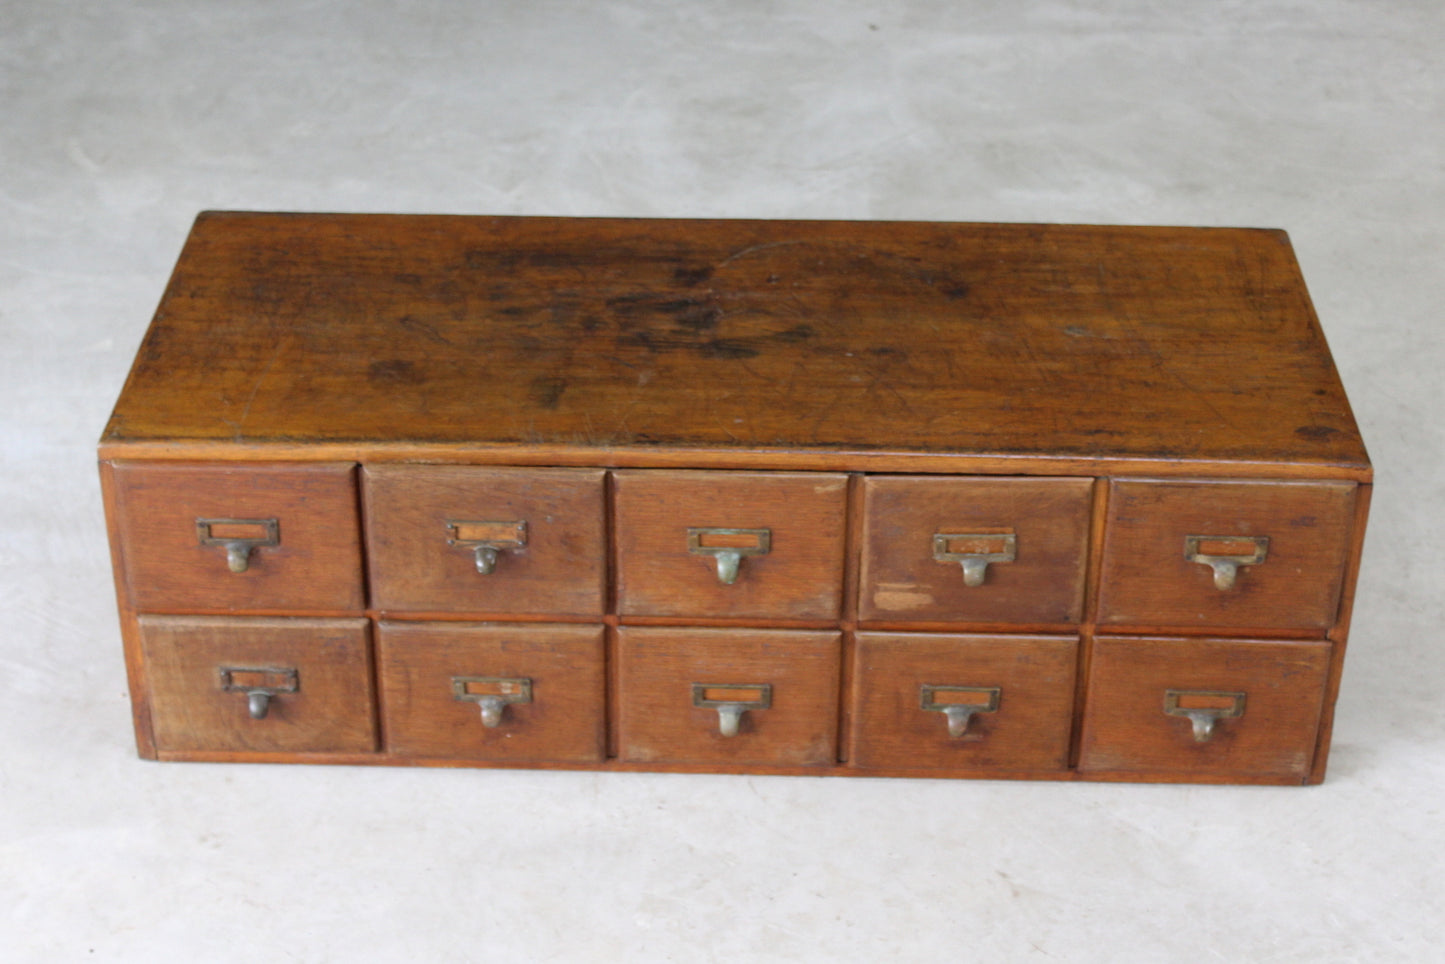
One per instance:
(736, 620)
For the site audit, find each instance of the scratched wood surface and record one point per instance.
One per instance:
(1086, 342)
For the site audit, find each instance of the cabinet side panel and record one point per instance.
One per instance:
(129, 630)
(1341, 631)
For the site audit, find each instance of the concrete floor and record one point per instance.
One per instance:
(119, 121)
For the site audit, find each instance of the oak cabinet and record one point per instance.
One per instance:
(844, 498)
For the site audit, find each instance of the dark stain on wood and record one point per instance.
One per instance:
(727, 348)
(795, 335)
(547, 391)
(394, 370)
(691, 276)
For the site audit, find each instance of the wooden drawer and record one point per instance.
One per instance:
(1299, 533)
(486, 540)
(976, 550)
(962, 703)
(1256, 702)
(268, 684)
(239, 536)
(782, 534)
(519, 693)
(680, 692)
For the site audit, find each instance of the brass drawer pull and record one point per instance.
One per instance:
(492, 694)
(1203, 708)
(487, 539)
(979, 550)
(732, 700)
(259, 684)
(729, 546)
(231, 535)
(959, 705)
(1226, 563)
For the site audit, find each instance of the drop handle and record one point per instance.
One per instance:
(975, 552)
(1203, 709)
(732, 700)
(492, 694)
(728, 547)
(959, 704)
(239, 537)
(486, 559)
(1225, 555)
(491, 711)
(487, 540)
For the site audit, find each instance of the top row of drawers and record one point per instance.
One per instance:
(490, 540)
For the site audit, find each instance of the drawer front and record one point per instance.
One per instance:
(962, 703)
(751, 544)
(501, 693)
(1203, 707)
(974, 549)
(240, 536)
(716, 696)
(1237, 555)
(278, 684)
(485, 540)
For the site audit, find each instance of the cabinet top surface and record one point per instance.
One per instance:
(611, 334)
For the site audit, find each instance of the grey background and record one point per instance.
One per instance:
(119, 121)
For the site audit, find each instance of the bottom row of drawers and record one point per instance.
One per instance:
(537, 694)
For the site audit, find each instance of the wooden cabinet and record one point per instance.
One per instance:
(883, 499)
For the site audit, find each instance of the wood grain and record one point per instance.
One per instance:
(1049, 340)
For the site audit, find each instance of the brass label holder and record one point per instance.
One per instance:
(1228, 706)
(975, 563)
(1226, 566)
(492, 694)
(730, 708)
(959, 713)
(259, 684)
(731, 547)
(238, 548)
(487, 539)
